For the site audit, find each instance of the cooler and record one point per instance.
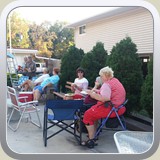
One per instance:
(26, 94)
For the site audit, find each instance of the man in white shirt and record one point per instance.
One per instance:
(28, 84)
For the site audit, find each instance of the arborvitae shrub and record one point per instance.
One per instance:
(126, 65)
(147, 91)
(70, 62)
(93, 61)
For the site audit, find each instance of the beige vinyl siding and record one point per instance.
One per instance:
(137, 24)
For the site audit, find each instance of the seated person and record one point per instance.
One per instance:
(28, 84)
(98, 83)
(111, 90)
(38, 90)
(90, 101)
(80, 83)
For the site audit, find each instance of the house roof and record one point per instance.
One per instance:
(22, 51)
(104, 15)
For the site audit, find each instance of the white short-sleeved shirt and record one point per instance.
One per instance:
(41, 78)
(81, 83)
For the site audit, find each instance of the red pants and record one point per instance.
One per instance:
(97, 112)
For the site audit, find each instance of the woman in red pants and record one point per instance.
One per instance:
(111, 90)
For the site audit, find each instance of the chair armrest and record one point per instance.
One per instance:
(25, 97)
(30, 102)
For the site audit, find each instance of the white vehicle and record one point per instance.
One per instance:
(40, 67)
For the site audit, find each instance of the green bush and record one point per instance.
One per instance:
(70, 62)
(146, 100)
(93, 61)
(9, 80)
(126, 65)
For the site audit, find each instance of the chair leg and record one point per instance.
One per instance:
(15, 129)
(36, 124)
(99, 129)
(45, 128)
(123, 122)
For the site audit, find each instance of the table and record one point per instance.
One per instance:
(59, 94)
(129, 142)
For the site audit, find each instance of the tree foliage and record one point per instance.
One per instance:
(41, 39)
(93, 61)
(126, 65)
(49, 40)
(70, 62)
(63, 40)
(147, 91)
(17, 28)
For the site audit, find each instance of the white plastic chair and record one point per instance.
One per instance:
(22, 108)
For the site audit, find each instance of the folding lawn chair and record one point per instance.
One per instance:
(113, 113)
(22, 108)
(62, 111)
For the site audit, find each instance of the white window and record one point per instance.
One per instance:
(82, 29)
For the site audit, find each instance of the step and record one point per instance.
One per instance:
(138, 126)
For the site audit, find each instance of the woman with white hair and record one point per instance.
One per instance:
(111, 90)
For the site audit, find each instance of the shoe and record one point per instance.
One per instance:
(90, 143)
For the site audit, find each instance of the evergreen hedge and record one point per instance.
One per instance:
(126, 65)
(146, 100)
(93, 61)
(70, 62)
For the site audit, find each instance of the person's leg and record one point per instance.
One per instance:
(91, 131)
(36, 95)
(26, 85)
(95, 126)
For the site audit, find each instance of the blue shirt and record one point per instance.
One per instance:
(53, 80)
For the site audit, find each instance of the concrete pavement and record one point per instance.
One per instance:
(29, 139)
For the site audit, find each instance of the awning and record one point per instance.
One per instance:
(10, 55)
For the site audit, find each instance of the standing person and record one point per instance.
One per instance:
(54, 80)
(28, 84)
(80, 83)
(111, 90)
(25, 62)
(30, 68)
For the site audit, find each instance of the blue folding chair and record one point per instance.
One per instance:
(62, 111)
(120, 118)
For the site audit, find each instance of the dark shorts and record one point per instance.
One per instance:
(39, 88)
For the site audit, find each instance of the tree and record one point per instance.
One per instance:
(93, 61)
(70, 62)
(19, 31)
(126, 65)
(146, 100)
(63, 40)
(41, 39)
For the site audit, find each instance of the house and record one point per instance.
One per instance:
(112, 26)
(18, 59)
(19, 54)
